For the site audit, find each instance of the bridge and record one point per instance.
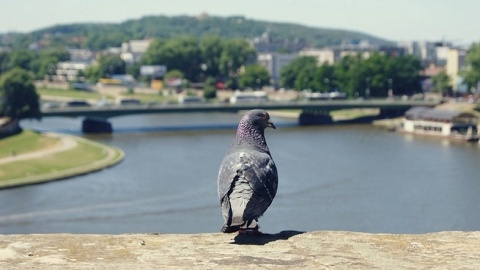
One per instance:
(314, 112)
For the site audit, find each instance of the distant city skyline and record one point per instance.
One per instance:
(396, 20)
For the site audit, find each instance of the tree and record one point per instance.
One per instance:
(440, 82)
(209, 90)
(299, 73)
(107, 65)
(18, 96)
(406, 79)
(350, 78)
(472, 73)
(153, 55)
(4, 60)
(181, 53)
(174, 78)
(235, 54)
(211, 48)
(324, 79)
(21, 58)
(255, 76)
(374, 76)
(46, 61)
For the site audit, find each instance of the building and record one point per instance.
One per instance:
(333, 54)
(428, 52)
(133, 50)
(81, 55)
(267, 44)
(325, 55)
(69, 71)
(455, 61)
(274, 62)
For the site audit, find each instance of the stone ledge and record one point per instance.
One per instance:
(285, 250)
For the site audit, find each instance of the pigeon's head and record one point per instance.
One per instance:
(260, 118)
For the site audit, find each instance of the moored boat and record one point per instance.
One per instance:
(452, 124)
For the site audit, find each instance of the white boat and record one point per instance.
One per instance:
(454, 124)
(248, 97)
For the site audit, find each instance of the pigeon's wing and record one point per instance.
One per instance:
(227, 174)
(257, 168)
(261, 172)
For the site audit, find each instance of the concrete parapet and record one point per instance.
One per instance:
(285, 250)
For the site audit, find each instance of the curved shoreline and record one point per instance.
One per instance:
(114, 156)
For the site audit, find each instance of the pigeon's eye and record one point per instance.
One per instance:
(263, 116)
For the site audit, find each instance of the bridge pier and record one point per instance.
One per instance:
(314, 118)
(391, 113)
(96, 125)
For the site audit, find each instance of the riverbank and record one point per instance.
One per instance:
(284, 250)
(43, 157)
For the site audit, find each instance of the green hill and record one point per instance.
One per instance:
(97, 36)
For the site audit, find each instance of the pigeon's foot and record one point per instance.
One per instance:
(251, 231)
(230, 229)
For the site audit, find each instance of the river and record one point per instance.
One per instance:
(345, 177)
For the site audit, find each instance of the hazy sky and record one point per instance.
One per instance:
(432, 20)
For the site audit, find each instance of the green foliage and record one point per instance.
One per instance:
(440, 82)
(4, 60)
(99, 36)
(356, 76)
(21, 58)
(18, 97)
(197, 60)
(209, 90)
(324, 79)
(472, 73)
(235, 54)
(108, 65)
(211, 48)
(174, 74)
(181, 53)
(255, 76)
(299, 73)
(45, 62)
(40, 64)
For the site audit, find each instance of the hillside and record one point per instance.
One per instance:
(99, 36)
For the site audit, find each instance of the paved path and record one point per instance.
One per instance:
(65, 143)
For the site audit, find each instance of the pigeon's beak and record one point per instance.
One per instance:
(270, 124)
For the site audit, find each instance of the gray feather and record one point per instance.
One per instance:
(247, 179)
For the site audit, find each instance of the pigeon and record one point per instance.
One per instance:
(247, 178)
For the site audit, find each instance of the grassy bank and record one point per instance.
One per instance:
(68, 93)
(25, 142)
(32, 157)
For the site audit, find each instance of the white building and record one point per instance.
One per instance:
(325, 55)
(133, 50)
(455, 61)
(69, 71)
(428, 52)
(333, 54)
(274, 62)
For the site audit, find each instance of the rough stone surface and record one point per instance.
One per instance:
(285, 250)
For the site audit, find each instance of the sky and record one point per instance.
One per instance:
(457, 21)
